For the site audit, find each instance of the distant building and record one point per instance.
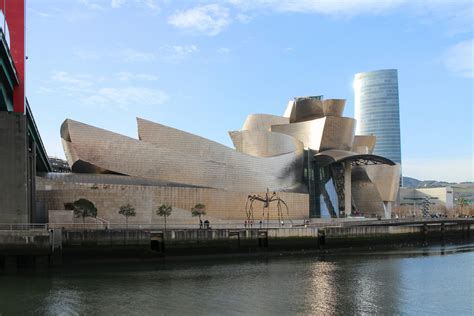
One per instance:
(437, 196)
(441, 198)
(59, 165)
(377, 110)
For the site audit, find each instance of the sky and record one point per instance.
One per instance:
(203, 66)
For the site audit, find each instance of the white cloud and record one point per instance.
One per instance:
(347, 7)
(132, 55)
(124, 97)
(459, 59)
(41, 14)
(85, 55)
(91, 5)
(117, 3)
(212, 19)
(208, 19)
(99, 91)
(180, 51)
(151, 4)
(128, 76)
(243, 18)
(223, 50)
(328, 7)
(72, 83)
(45, 90)
(442, 169)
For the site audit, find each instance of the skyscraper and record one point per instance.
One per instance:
(377, 110)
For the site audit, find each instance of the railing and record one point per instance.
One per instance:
(104, 225)
(23, 226)
(147, 226)
(102, 221)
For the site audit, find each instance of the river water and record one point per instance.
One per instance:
(416, 281)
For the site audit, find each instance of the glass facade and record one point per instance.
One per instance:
(324, 191)
(377, 110)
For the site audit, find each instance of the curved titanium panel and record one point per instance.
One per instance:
(321, 134)
(330, 156)
(289, 108)
(334, 107)
(265, 144)
(306, 109)
(363, 143)
(365, 195)
(263, 122)
(386, 179)
(163, 136)
(217, 166)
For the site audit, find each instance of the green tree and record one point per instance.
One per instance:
(462, 203)
(127, 211)
(164, 210)
(199, 210)
(84, 208)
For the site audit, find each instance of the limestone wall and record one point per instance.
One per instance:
(220, 205)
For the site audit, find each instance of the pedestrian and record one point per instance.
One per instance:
(260, 224)
(245, 224)
(200, 224)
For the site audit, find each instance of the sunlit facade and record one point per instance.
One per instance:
(377, 110)
(310, 157)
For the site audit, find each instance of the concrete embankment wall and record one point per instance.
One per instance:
(75, 246)
(198, 241)
(24, 242)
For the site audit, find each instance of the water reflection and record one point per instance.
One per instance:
(321, 295)
(396, 282)
(62, 300)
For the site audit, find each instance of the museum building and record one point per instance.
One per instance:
(310, 157)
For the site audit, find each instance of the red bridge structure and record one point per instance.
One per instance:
(22, 153)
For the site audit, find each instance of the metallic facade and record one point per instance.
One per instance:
(312, 151)
(377, 110)
(167, 154)
(265, 144)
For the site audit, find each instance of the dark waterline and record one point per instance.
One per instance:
(432, 280)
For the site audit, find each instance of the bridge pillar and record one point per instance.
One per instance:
(16, 179)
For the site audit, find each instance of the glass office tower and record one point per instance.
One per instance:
(377, 110)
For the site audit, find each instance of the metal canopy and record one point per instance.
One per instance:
(328, 157)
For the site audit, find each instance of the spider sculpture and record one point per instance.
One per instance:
(266, 200)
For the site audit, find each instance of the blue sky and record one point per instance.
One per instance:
(203, 66)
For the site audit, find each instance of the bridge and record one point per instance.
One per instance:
(22, 151)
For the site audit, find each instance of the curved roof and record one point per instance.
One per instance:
(263, 122)
(328, 157)
(322, 134)
(265, 144)
(177, 157)
(306, 109)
